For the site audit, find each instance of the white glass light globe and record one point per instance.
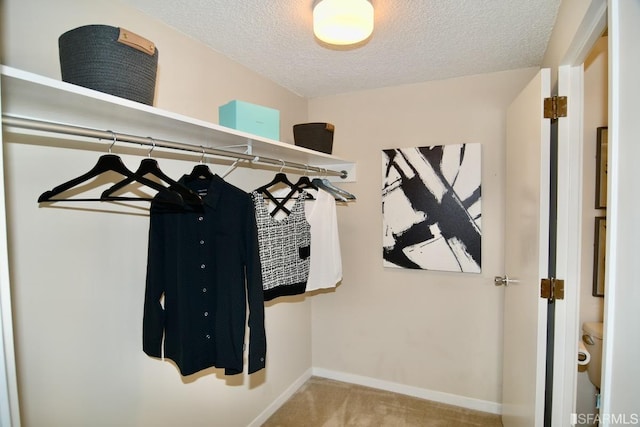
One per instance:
(343, 22)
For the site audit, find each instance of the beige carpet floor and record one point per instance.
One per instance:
(326, 403)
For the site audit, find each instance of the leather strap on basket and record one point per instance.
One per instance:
(137, 42)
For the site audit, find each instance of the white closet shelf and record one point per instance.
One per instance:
(33, 96)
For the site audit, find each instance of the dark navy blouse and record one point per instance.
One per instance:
(203, 271)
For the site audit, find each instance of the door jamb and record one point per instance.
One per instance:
(570, 84)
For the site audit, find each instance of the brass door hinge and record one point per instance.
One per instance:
(552, 289)
(555, 107)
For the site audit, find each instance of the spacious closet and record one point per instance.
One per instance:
(77, 271)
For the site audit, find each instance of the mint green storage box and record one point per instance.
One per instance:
(250, 118)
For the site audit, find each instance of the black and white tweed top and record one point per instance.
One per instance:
(284, 247)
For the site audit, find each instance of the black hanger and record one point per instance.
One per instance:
(279, 178)
(305, 182)
(150, 166)
(200, 171)
(106, 163)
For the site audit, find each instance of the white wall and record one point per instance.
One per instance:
(78, 274)
(434, 331)
(571, 15)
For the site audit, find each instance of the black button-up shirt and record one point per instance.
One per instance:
(203, 270)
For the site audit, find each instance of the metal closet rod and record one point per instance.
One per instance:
(47, 126)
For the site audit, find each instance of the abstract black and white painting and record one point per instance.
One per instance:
(431, 207)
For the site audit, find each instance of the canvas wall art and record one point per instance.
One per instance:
(431, 208)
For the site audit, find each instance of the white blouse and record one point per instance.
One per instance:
(325, 270)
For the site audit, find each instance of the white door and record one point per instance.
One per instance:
(526, 255)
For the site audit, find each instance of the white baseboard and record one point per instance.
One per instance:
(436, 396)
(276, 404)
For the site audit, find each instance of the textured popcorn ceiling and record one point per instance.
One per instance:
(413, 40)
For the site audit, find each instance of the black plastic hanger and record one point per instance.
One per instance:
(305, 182)
(200, 171)
(150, 166)
(106, 163)
(279, 178)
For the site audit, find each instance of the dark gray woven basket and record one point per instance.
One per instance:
(91, 56)
(316, 136)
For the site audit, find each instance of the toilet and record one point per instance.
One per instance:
(592, 339)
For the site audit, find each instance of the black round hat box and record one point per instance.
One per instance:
(110, 60)
(316, 136)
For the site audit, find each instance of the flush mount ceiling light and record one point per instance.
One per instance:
(343, 22)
